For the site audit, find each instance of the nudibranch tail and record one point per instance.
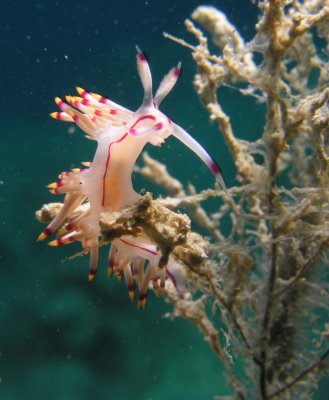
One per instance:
(192, 144)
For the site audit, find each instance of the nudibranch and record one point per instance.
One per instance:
(106, 182)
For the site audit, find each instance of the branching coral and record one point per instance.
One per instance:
(272, 282)
(265, 280)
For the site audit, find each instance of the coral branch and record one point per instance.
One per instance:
(315, 365)
(270, 263)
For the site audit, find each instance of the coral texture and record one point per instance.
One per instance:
(272, 288)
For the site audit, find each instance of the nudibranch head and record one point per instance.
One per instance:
(151, 121)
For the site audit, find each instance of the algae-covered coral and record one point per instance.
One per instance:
(258, 293)
(272, 288)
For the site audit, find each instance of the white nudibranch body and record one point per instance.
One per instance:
(106, 183)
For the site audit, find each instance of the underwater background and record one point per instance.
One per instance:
(62, 337)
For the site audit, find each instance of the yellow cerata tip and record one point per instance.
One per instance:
(80, 90)
(91, 277)
(131, 295)
(62, 231)
(42, 236)
(53, 243)
(96, 96)
(142, 303)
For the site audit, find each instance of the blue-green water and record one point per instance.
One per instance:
(62, 337)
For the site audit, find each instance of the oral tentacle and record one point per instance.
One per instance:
(192, 144)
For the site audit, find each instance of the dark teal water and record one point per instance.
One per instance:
(61, 337)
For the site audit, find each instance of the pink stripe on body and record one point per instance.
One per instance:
(140, 247)
(133, 131)
(107, 165)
